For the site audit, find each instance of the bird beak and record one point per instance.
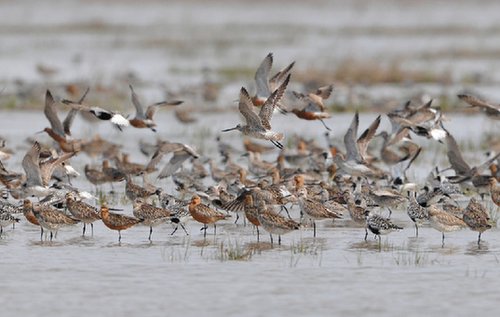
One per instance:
(230, 129)
(115, 209)
(40, 132)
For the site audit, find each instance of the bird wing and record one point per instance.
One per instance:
(275, 81)
(262, 76)
(350, 140)
(68, 121)
(174, 164)
(139, 112)
(51, 114)
(455, 156)
(151, 110)
(245, 107)
(47, 167)
(324, 92)
(367, 136)
(31, 165)
(266, 111)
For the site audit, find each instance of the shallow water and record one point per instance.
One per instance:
(338, 273)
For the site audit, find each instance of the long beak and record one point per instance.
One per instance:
(115, 209)
(40, 132)
(230, 129)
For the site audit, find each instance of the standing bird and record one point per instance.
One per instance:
(204, 214)
(495, 191)
(313, 210)
(251, 213)
(145, 120)
(273, 222)
(82, 211)
(117, 221)
(416, 212)
(476, 217)
(134, 191)
(150, 215)
(52, 219)
(312, 105)
(6, 219)
(444, 222)
(379, 225)
(30, 215)
(259, 126)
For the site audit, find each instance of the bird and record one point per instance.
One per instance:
(39, 173)
(116, 221)
(379, 225)
(444, 222)
(492, 111)
(58, 131)
(82, 211)
(387, 198)
(422, 120)
(273, 222)
(150, 215)
(204, 214)
(52, 219)
(312, 107)
(416, 212)
(313, 210)
(145, 120)
(6, 219)
(463, 171)
(265, 84)
(476, 217)
(181, 152)
(134, 191)
(117, 119)
(251, 213)
(355, 162)
(259, 126)
(494, 191)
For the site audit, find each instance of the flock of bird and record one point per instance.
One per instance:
(324, 182)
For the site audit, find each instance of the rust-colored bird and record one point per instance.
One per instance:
(204, 214)
(117, 222)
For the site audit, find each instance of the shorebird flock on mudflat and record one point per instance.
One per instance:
(322, 182)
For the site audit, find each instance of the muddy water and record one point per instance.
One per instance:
(338, 273)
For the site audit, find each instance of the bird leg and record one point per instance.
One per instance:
(184, 228)
(325, 124)
(390, 212)
(176, 227)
